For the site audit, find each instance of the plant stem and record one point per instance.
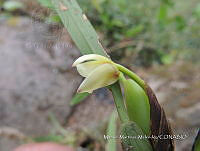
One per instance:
(132, 75)
(122, 79)
(118, 99)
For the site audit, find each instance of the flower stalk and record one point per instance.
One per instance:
(132, 75)
(118, 99)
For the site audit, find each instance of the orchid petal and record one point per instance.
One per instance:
(84, 69)
(90, 57)
(104, 75)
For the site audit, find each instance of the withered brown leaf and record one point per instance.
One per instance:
(159, 124)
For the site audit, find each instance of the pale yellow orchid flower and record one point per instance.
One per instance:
(98, 71)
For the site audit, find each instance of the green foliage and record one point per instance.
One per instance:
(161, 27)
(79, 97)
(111, 144)
(52, 18)
(154, 28)
(125, 20)
(117, 17)
(197, 11)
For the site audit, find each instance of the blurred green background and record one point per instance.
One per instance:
(158, 31)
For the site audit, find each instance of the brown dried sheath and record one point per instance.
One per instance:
(159, 124)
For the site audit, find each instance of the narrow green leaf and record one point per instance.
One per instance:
(162, 15)
(111, 131)
(78, 98)
(134, 31)
(78, 26)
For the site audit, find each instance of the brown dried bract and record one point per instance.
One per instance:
(159, 124)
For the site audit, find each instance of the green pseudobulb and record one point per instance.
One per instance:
(137, 104)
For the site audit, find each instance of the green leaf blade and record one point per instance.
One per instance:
(78, 98)
(111, 131)
(78, 26)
